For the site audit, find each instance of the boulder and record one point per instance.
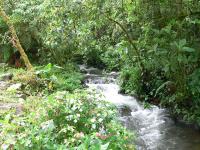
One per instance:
(15, 87)
(94, 71)
(125, 111)
(6, 77)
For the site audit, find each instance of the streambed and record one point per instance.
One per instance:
(154, 128)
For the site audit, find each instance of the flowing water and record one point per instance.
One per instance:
(154, 128)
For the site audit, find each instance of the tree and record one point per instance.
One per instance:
(15, 39)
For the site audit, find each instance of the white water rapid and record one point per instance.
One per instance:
(154, 128)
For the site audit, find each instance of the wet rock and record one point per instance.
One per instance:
(94, 71)
(6, 77)
(83, 83)
(125, 111)
(15, 87)
(84, 71)
(90, 78)
(114, 74)
(83, 68)
(122, 91)
(4, 85)
(110, 80)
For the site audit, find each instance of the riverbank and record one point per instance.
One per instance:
(57, 115)
(154, 126)
(153, 87)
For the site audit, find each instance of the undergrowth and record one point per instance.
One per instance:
(80, 120)
(59, 114)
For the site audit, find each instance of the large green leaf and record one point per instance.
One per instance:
(188, 49)
(182, 42)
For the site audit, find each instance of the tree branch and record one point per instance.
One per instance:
(130, 41)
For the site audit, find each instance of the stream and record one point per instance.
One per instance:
(153, 127)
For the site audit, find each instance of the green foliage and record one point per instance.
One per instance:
(61, 30)
(111, 60)
(158, 39)
(168, 44)
(55, 78)
(130, 80)
(64, 121)
(194, 85)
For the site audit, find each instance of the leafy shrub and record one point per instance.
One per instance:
(52, 77)
(194, 85)
(111, 59)
(60, 78)
(64, 121)
(130, 80)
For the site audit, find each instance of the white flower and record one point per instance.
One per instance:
(100, 120)
(79, 135)
(94, 126)
(5, 147)
(93, 120)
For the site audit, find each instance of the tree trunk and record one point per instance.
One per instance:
(179, 7)
(15, 39)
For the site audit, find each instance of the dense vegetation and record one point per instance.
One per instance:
(153, 43)
(64, 121)
(57, 113)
